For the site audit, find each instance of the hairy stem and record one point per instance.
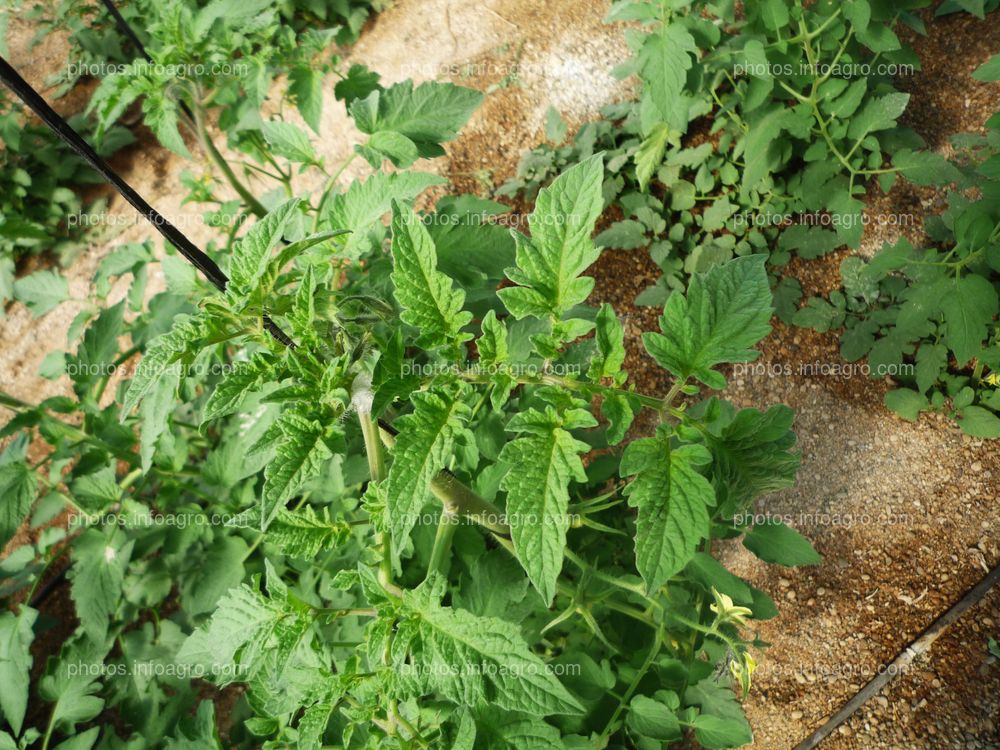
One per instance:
(654, 651)
(255, 206)
(459, 499)
(441, 552)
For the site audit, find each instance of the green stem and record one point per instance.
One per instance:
(63, 549)
(328, 186)
(460, 500)
(220, 162)
(334, 612)
(376, 467)
(654, 651)
(48, 731)
(587, 567)
(441, 552)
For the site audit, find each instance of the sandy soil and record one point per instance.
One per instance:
(912, 508)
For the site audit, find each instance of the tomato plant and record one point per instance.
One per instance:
(402, 528)
(383, 479)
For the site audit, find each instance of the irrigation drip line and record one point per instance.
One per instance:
(33, 100)
(903, 660)
(124, 28)
(191, 252)
(129, 32)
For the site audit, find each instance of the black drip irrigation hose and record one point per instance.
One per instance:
(33, 100)
(24, 91)
(194, 255)
(903, 660)
(127, 31)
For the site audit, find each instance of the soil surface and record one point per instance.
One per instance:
(905, 515)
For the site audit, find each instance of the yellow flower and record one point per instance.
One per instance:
(742, 668)
(727, 611)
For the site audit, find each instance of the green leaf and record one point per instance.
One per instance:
(395, 147)
(430, 301)
(673, 502)
(877, 114)
(725, 311)
(72, 683)
(774, 13)
(859, 13)
(244, 620)
(303, 449)
(362, 206)
(252, 254)
(555, 126)
(610, 338)
(906, 403)
(41, 292)
(475, 660)
(756, 148)
(560, 249)
(717, 214)
(847, 214)
(197, 732)
(18, 487)
(312, 726)
(809, 242)
(989, 70)
(304, 534)
(161, 117)
(718, 701)
(357, 84)
(979, 422)
(969, 309)
(495, 587)
(774, 542)
(650, 154)
(505, 730)
(162, 352)
(847, 104)
(424, 446)
(709, 573)
(6, 279)
(542, 464)
(240, 380)
(96, 578)
(715, 732)
(625, 235)
(154, 413)
(97, 351)
(664, 60)
(289, 141)
(230, 14)
(305, 86)
(16, 636)
(471, 248)
(752, 455)
(430, 114)
(653, 720)
(619, 411)
(492, 345)
(932, 360)
(925, 167)
(879, 38)
(219, 570)
(95, 491)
